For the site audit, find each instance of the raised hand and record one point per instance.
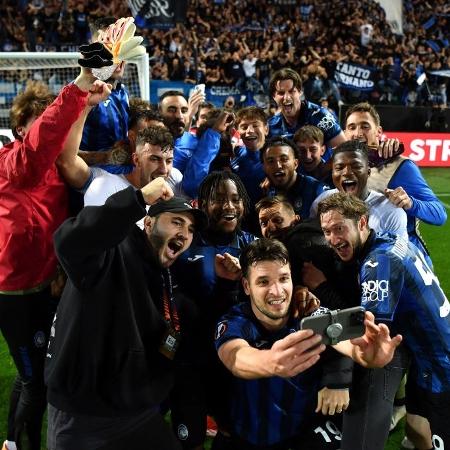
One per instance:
(399, 197)
(376, 347)
(303, 302)
(227, 266)
(295, 353)
(157, 189)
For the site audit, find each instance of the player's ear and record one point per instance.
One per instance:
(363, 223)
(246, 286)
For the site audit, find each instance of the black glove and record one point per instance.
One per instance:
(95, 55)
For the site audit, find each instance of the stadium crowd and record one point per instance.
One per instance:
(181, 245)
(229, 43)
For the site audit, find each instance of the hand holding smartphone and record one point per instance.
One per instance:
(337, 326)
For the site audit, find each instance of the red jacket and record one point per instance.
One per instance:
(33, 196)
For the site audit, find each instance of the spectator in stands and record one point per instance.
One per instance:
(81, 24)
(35, 204)
(249, 66)
(286, 90)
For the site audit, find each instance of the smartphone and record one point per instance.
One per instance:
(336, 326)
(200, 88)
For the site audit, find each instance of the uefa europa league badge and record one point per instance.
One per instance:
(114, 45)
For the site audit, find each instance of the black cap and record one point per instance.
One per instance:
(179, 204)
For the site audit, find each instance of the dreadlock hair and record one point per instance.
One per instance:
(30, 103)
(210, 184)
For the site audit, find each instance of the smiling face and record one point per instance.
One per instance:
(287, 98)
(253, 133)
(169, 234)
(269, 285)
(225, 208)
(350, 172)
(342, 234)
(275, 219)
(152, 162)
(174, 110)
(310, 154)
(280, 166)
(362, 127)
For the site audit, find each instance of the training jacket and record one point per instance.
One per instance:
(33, 197)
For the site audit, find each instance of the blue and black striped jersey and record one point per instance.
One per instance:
(399, 287)
(266, 411)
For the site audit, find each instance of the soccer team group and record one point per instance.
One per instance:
(156, 261)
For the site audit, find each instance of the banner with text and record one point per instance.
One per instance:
(425, 149)
(161, 14)
(215, 94)
(355, 76)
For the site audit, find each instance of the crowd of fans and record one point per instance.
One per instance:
(241, 43)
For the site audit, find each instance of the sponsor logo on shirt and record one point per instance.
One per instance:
(220, 330)
(375, 291)
(195, 258)
(260, 344)
(327, 123)
(371, 264)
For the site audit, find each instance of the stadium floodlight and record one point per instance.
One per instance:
(57, 69)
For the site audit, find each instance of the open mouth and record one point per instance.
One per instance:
(279, 174)
(288, 107)
(229, 217)
(350, 186)
(342, 249)
(175, 246)
(277, 301)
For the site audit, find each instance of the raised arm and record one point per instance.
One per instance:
(375, 348)
(71, 167)
(26, 163)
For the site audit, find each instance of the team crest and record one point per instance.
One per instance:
(182, 432)
(39, 339)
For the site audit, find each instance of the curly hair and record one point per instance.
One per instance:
(156, 136)
(349, 206)
(28, 104)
